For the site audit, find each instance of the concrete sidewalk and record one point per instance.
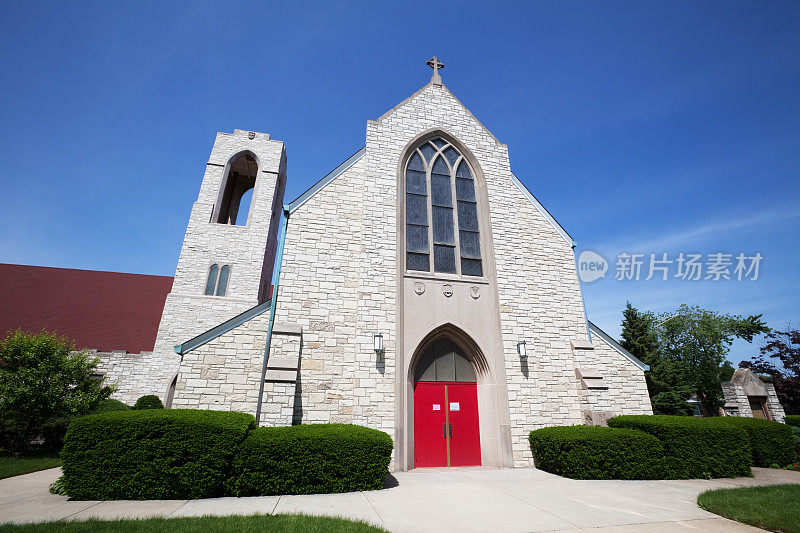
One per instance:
(458, 499)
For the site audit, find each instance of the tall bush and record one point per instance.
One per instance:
(793, 420)
(308, 459)
(151, 453)
(694, 447)
(43, 381)
(593, 452)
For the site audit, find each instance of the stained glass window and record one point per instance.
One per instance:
(447, 218)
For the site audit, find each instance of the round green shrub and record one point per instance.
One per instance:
(151, 454)
(311, 459)
(771, 443)
(148, 401)
(694, 447)
(111, 405)
(792, 420)
(594, 452)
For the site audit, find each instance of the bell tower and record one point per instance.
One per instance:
(228, 252)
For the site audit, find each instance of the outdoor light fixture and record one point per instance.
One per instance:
(377, 339)
(523, 353)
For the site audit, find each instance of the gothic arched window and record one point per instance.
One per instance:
(217, 282)
(437, 166)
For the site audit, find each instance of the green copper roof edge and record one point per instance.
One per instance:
(332, 175)
(226, 326)
(614, 344)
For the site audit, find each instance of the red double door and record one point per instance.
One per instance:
(446, 424)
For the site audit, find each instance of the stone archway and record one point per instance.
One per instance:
(485, 390)
(446, 420)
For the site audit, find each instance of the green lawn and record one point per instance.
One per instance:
(233, 524)
(15, 466)
(775, 508)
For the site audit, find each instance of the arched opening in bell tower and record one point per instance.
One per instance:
(236, 191)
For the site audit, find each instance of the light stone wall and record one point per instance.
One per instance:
(337, 283)
(132, 373)
(627, 389)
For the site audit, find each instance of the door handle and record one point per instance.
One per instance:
(444, 430)
(451, 430)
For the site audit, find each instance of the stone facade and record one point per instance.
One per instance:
(132, 373)
(746, 386)
(622, 390)
(343, 280)
(337, 283)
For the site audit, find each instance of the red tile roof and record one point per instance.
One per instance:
(102, 310)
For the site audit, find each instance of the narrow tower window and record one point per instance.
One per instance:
(211, 283)
(222, 284)
(439, 167)
(217, 282)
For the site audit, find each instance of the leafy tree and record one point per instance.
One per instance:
(783, 346)
(41, 380)
(667, 382)
(698, 340)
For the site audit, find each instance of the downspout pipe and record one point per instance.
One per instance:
(580, 288)
(276, 278)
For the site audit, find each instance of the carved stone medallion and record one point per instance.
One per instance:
(419, 287)
(475, 292)
(251, 135)
(447, 290)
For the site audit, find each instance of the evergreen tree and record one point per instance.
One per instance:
(638, 334)
(667, 383)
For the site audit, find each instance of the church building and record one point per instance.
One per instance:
(419, 288)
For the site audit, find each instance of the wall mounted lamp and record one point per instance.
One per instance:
(377, 340)
(521, 350)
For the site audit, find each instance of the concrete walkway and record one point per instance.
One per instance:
(459, 499)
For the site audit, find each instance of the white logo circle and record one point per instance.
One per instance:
(591, 266)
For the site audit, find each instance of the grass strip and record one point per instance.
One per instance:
(776, 508)
(289, 523)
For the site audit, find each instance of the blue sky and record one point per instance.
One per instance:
(659, 127)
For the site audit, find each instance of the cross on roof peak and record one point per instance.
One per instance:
(435, 64)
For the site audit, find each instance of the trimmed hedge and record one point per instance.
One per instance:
(792, 420)
(151, 454)
(310, 459)
(148, 401)
(694, 447)
(771, 443)
(53, 430)
(594, 452)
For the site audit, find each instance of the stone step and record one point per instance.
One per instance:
(285, 376)
(289, 363)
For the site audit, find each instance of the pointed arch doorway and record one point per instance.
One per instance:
(446, 425)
